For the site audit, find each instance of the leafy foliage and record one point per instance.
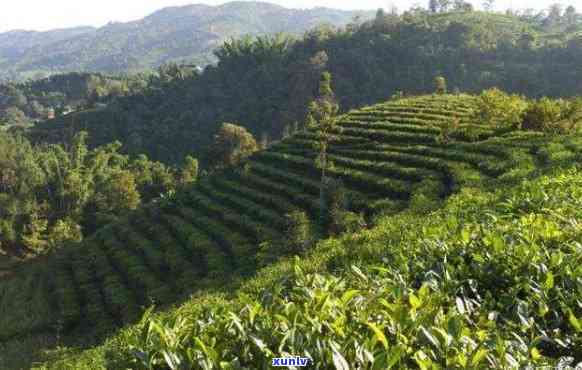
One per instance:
(232, 144)
(190, 171)
(50, 194)
(543, 114)
(299, 234)
(500, 109)
(504, 111)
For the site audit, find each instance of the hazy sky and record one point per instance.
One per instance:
(49, 14)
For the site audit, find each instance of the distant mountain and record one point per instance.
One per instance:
(171, 34)
(14, 44)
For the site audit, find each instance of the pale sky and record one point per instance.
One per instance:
(49, 14)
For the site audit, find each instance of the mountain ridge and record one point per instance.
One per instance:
(183, 33)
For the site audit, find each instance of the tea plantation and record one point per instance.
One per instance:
(468, 255)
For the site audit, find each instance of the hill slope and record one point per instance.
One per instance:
(188, 33)
(390, 157)
(266, 85)
(492, 280)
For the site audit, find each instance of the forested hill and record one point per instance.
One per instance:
(265, 85)
(172, 34)
(22, 104)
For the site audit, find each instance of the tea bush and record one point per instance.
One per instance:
(542, 114)
(492, 280)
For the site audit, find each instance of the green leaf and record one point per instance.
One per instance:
(339, 361)
(424, 290)
(549, 284)
(359, 273)
(460, 305)
(394, 356)
(465, 236)
(478, 356)
(543, 309)
(535, 354)
(237, 322)
(172, 360)
(446, 337)
(431, 338)
(347, 296)
(574, 321)
(209, 352)
(422, 360)
(414, 301)
(379, 335)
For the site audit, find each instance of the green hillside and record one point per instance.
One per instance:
(265, 84)
(397, 161)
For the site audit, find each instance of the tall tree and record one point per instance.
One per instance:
(322, 118)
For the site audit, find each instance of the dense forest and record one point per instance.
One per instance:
(176, 34)
(265, 84)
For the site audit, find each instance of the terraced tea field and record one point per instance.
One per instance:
(387, 156)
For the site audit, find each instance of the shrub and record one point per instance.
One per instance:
(332, 200)
(447, 129)
(298, 238)
(542, 114)
(492, 281)
(190, 170)
(425, 197)
(298, 232)
(349, 222)
(64, 231)
(499, 109)
(572, 116)
(560, 116)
